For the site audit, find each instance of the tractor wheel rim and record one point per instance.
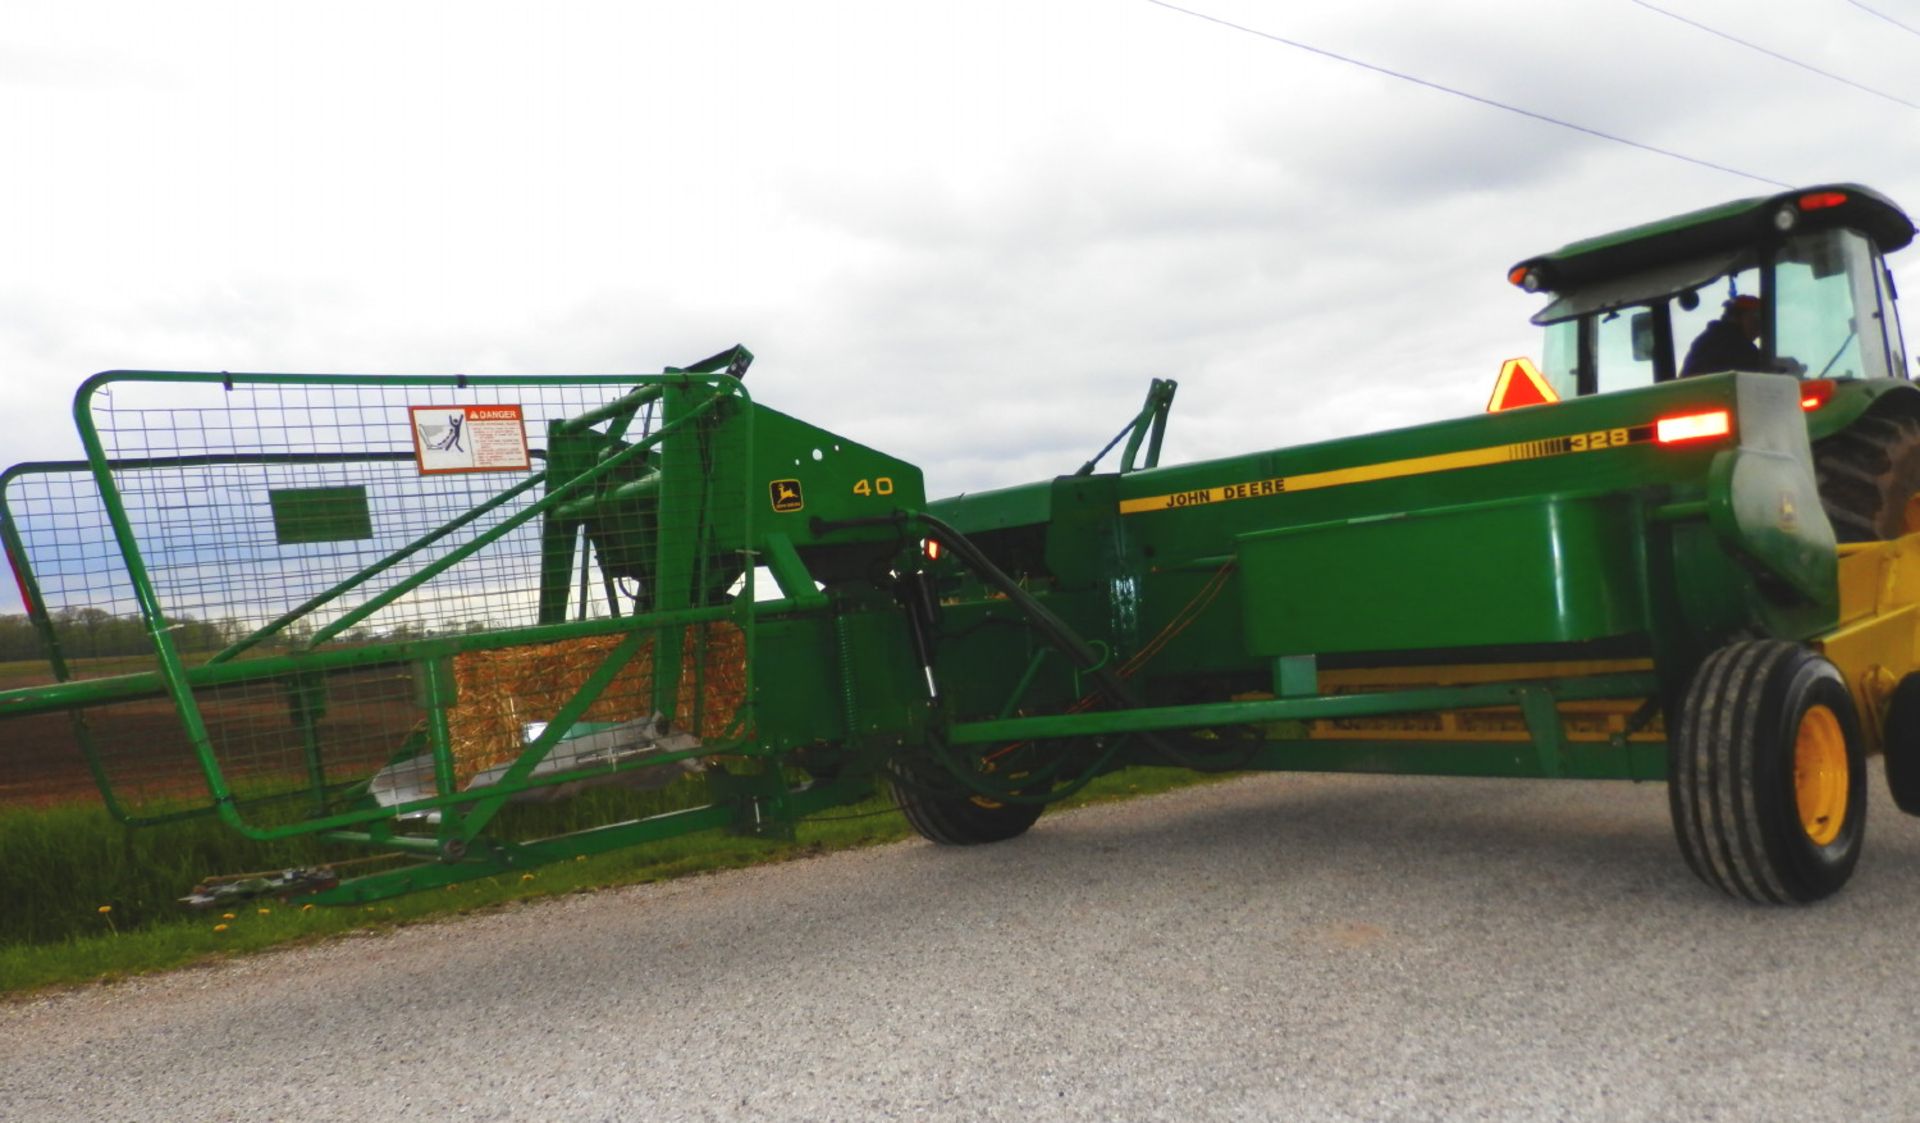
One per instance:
(1820, 774)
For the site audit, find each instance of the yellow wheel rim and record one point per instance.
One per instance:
(1820, 774)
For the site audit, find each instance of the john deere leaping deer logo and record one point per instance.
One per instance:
(785, 495)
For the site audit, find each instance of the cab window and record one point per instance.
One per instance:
(1826, 312)
(1709, 304)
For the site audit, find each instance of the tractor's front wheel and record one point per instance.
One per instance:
(943, 811)
(1766, 777)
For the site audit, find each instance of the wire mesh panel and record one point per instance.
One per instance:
(382, 591)
(83, 622)
(248, 502)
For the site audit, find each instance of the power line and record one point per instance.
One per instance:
(1884, 16)
(1778, 55)
(1470, 97)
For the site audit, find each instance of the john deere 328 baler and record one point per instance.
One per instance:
(415, 600)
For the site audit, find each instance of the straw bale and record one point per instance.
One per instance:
(501, 690)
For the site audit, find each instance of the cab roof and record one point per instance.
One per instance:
(1729, 226)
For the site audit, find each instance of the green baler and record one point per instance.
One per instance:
(438, 596)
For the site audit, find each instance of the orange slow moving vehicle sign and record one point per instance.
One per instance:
(1520, 384)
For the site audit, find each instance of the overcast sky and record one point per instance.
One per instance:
(965, 233)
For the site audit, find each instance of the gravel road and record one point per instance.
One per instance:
(1279, 947)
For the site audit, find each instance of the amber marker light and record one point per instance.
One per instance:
(1693, 427)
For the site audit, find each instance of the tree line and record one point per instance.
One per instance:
(91, 633)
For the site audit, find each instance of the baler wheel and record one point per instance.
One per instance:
(1868, 474)
(942, 813)
(1766, 777)
(1902, 728)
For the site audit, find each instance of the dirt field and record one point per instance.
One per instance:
(144, 753)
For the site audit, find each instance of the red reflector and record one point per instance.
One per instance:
(1519, 274)
(1821, 200)
(1692, 427)
(1815, 394)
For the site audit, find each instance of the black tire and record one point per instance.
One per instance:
(1867, 473)
(1766, 777)
(1902, 736)
(942, 811)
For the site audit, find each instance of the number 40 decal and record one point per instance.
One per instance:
(878, 485)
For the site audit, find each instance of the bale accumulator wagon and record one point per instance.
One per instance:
(414, 600)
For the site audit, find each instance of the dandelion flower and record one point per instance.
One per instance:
(266, 912)
(226, 916)
(104, 909)
(219, 928)
(306, 908)
(526, 877)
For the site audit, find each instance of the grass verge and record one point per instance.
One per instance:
(148, 932)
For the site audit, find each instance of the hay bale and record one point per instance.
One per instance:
(501, 691)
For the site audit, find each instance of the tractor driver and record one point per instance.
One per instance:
(1730, 342)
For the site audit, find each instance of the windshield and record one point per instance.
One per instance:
(1828, 306)
(1813, 309)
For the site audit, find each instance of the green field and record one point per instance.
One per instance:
(17, 673)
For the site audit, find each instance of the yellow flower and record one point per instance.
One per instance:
(104, 909)
(219, 928)
(526, 877)
(226, 916)
(266, 912)
(306, 908)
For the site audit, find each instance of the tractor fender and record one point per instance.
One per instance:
(1855, 398)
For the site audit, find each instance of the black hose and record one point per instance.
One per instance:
(1061, 635)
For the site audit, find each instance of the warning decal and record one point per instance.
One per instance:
(469, 438)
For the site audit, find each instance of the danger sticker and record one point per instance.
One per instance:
(469, 439)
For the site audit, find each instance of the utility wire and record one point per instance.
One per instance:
(1884, 16)
(1778, 55)
(1470, 97)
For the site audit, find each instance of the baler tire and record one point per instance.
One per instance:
(1902, 736)
(1766, 774)
(954, 818)
(1867, 475)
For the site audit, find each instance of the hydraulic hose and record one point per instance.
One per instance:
(1060, 635)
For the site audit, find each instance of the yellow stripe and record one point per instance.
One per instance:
(1365, 473)
(1418, 466)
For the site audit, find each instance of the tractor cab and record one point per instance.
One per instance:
(1629, 307)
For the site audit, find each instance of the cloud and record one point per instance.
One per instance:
(966, 236)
